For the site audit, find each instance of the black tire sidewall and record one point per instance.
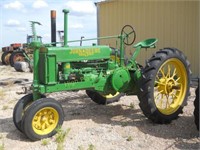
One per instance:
(13, 55)
(19, 108)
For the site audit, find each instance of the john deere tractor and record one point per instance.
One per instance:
(162, 86)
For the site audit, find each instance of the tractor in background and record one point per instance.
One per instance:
(18, 52)
(162, 86)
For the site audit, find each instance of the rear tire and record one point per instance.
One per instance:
(103, 99)
(4, 56)
(42, 118)
(164, 86)
(16, 56)
(196, 108)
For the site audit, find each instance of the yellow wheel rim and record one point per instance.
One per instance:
(45, 121)
(110, 95)
(170, 86)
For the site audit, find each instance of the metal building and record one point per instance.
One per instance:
(175, 23)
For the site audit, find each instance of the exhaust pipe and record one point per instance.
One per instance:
(65, 11)
(53, 27)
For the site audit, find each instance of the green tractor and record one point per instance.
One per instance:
(162, 86)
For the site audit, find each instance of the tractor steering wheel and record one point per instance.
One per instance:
(128, 34)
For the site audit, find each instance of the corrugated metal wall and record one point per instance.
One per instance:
(174, 23)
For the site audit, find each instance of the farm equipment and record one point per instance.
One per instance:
(17, 52)
(162, 86)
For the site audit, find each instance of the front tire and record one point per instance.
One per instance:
(164, 86)
(41, 119)
(20, 108)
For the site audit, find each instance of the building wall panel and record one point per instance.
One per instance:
(174, 23)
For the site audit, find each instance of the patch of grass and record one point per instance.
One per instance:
(5, 107)
(80, 147)
(45, 142)
(129, 138)
(2, 146)
(91, 147)
(2, 93)
(60, 137)
(124, 124)
(132, 106)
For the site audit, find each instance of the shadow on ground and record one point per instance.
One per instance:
(80, 107)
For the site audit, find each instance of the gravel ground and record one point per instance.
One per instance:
(117, 126)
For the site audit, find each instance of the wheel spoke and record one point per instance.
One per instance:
(160, 83)
(177, 79)
(163, 74)
(174, 73)
(168, 71)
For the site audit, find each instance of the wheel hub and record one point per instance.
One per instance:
(166, 85)
(44, 120)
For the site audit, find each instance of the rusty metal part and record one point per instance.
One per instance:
(7, 59)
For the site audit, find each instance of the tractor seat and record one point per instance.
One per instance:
(148, 43)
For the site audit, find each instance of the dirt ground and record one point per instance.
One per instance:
(117, 126)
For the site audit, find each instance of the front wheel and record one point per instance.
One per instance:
(19, 110)
(164, 86)
(41, 119)
(103, 99)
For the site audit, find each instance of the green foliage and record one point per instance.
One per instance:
(80, 147)
(91, 147)
(2, 147)
(5, 107)
(45, 142)
(129, 138)
(132, 106)
(60, 137)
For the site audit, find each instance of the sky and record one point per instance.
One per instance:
(16, 14)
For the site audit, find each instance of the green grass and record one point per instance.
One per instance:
(60, 137)
(132, 106)
(91, 147)
(129, 138)
(80, 147)
(2, 93)
(5, 107)
(2, 147)
(45, 142)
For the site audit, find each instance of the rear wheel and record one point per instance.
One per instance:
(5, 57)
(104, 99)
(196, 108)
(41, 119)
(16, 56)
(164, 87)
